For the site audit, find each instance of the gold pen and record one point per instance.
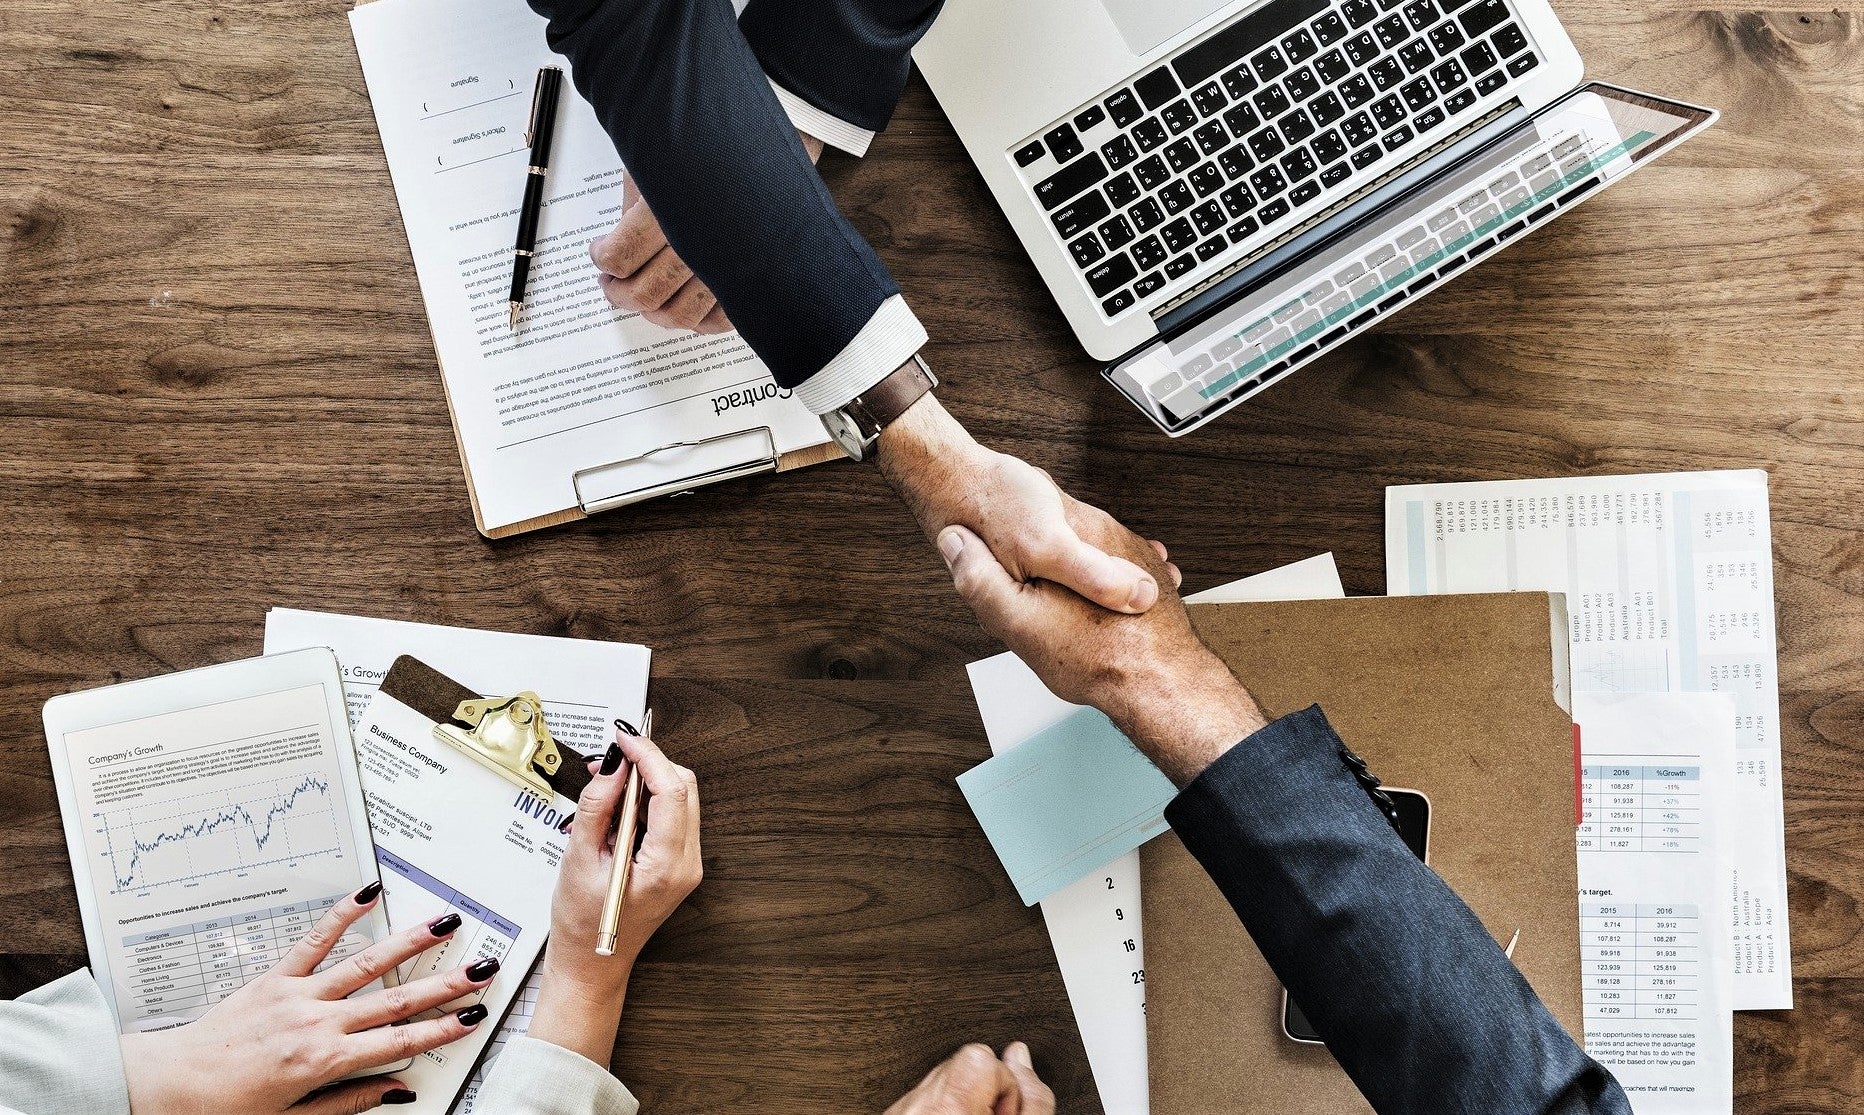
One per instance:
(624, 850)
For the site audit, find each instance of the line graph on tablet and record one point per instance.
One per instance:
(192, 836)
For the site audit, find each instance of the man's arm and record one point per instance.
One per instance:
(1408, 989)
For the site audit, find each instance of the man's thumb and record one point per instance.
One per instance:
(977, 574)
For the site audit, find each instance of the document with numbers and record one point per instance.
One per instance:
(1669, 586)
(1094, 923)
(1656, 787)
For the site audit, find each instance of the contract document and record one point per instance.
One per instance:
(1657, 782)
(579, 387)
(1669, 587)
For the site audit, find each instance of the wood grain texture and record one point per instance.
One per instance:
(218, 394)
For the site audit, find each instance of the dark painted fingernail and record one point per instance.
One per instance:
(483, 970)
(397, 1096)
(611, 759)
(471, 1016)
(445, 924)
(367, 894)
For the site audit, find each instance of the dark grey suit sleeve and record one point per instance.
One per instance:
(849, 58)
(1413, 997)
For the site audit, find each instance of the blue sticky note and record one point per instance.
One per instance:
(1066, 801)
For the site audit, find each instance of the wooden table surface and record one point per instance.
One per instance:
(218, 395)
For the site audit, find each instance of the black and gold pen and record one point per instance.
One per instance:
(542, 130)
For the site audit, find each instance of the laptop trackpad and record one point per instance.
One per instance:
(1145, 24)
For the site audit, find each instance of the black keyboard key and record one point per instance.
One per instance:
(1366, 156)
(1415, 55)
(1388, 5)
(1335, 174)
(1208, 218)
(1237, 199)
(1398, 137)
(1206, 180)
(1271, 102)
(1227, 47)
(1523, 64)
(1460, 100)
(1386, 72)
(1146, 214)
(1479, 59)
(1239, 82)
(1179, 235)
(1428, 119)
(1122, 190)
(1266, 144)
(1329, 29)
(1111, 275)
(1491, 82)
(1301, 84)
(1235, 162)
(1388, 112)
(1179, 116)
(1156, 88)
(1390, 31)
(1299, 46)
(1326, 108)
(1358, 129)
(1152, 173)
(1273, 211)
(1304, 193)
(1029, 154)
(1210, 137)
(1117, 233)
(1358, 13)
(1177, 197)
(1298, 165)
(1242, 230)
(1420, 14)
(1149, 133)
(1418, 95)
(1062, 143)
(1149, 253)
(1445, 38)
(1356, 90)
(1209, 99)
(1327, 147)
(1482, 15)
(1148, 284)
(1088, 117)
(1081, 213)
(1181, 155)
(1118, 151)
(1125, 108)
(1180, 267)
(1242, 119)
(1269, 63)
(1212, 248)
(1086, 251)
(1361, 48)
(1451, 6)
(1296, 126)
(1118, 303)
(1510, 41)
(1268, 182)
(1332, 66)
(1069, 181)
(1449, 75)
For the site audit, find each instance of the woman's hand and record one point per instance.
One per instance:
(294, 1030)
(579, 1002)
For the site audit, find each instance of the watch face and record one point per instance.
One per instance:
(846, 434)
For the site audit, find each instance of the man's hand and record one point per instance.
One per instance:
(1038, 531)
(639, 271)
(1171, 695)
(973, 1081)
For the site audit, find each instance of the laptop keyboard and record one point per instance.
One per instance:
(1259, 126)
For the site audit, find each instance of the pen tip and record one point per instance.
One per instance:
(516, 309)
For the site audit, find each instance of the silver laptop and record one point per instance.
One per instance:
(1218, 192)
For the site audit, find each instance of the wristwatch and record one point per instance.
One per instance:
(856, 425)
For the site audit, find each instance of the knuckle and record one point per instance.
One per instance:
(399, 1001)
(973, 1062)
(408, 1042)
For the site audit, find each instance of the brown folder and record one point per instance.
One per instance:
(1449, 695)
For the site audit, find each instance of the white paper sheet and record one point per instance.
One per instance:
(1654, 880)
(584, 684)
(1669, 585)
(1094, 923)
(579, 384)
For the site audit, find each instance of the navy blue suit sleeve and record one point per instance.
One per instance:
(849, 58)
(1411, 994)
(695, 122)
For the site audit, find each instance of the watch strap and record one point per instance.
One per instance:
(876, 408)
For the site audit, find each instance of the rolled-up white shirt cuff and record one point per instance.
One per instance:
(888, 340)
(827, 127)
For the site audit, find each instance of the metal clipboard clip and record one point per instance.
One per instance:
(675, 469)
(508, 735)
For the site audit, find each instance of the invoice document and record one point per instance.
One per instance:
(1669, 587)
(1094, 923)
(1657, 789)
(578, 385)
